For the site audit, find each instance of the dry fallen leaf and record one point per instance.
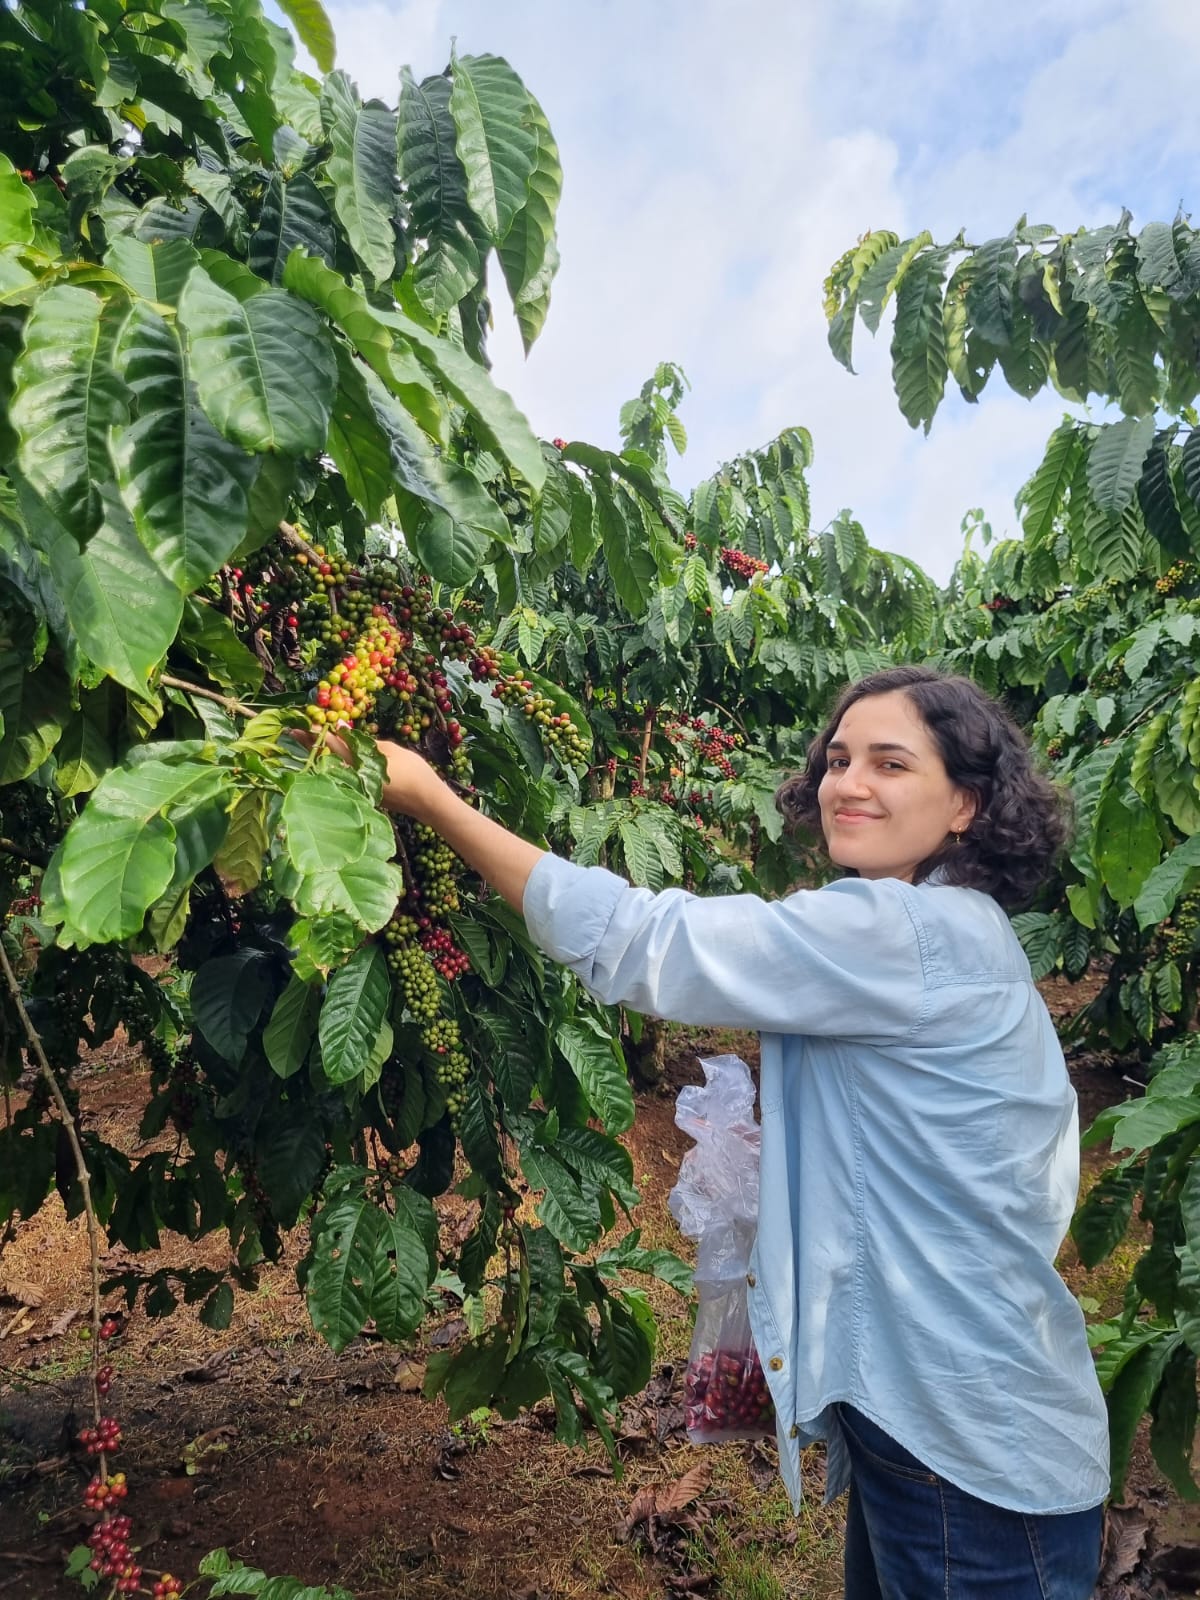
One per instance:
(674, 1496)
(409, 1375)
(20, 1292)
(1125, 1539)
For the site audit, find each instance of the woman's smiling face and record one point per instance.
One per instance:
(887, 803)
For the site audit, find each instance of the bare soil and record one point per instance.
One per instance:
(336, 1471)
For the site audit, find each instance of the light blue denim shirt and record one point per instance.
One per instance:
(920, 1161)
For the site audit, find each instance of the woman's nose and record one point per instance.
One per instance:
(851, 780)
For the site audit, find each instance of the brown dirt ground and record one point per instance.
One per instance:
(334, 1470)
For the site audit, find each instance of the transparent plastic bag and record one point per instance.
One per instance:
(715, 1202)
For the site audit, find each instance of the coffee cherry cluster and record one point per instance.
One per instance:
(484, 665)
(103, 1439)
(103, 1494)
(112, 1556)
(167, 1587)
(725, 1395)
(1183, 925)
(740, 565)
(347, 694)
(434, 864)
(1179, 572)
(711, 745)
(555, 729)
(414, 974)
(449, 961)
(444, 1041)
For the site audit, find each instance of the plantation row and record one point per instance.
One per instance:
(256, 479)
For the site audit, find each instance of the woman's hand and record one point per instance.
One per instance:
(409, 782)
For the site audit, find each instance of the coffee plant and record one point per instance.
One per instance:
(1088, 626)
(250, 459)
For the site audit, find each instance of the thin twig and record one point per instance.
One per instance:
(85, 1184)
(35, 858)
(647, 735)
(290, 534)
(234, 706)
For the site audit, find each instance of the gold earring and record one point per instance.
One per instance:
(957, 837)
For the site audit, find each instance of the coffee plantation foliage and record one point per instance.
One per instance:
(1090, 625)
(255, 478)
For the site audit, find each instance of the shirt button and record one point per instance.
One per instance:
(776, 1363)
(751, 1280)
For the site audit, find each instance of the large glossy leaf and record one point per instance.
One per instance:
(348, 1241)
(66, 395)
(1130, 1394)
(404, 1266)
(991, 288)
(623, 537)
(405, 377)
(288, 1036)
(918, 340)
(227, 1000)
(1127, 844)
(185, 484)
(313, 29)
(1115, 461)
(453, 537)
(495, 414)
(34, 708)
(290, 1157)
(571, 1217)
(326, 823)
(1040, 502)
(1172, 1433)
(123, 608)
(294, 216)
(450, 266)
(598, 1065)
(362, 169)
(497, 142)
(1163, 886)
(112, 870)
(529, 250)
(16, 206)
(263, 367)
(366, 891)
(358, 445)
(153, 271)
(120, 854)
(356, 1004)
(884, 276)
(240, 860)
(85, 752)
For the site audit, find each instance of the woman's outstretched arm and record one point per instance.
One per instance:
(500, 857)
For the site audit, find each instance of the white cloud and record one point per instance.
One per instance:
(718, 158)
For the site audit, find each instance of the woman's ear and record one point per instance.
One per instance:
(967, 810)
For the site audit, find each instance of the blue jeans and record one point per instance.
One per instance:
(910, 1535)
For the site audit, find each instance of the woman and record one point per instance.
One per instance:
(919, 1132)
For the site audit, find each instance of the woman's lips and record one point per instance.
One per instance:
(853, 817)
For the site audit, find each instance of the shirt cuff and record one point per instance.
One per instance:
(567, 908)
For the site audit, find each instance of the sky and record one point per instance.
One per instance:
(719, 155)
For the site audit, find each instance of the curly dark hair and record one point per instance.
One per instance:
(1021, 820)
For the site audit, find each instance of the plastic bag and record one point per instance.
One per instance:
(715, 1202)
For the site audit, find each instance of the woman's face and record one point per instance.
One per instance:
(886, 801)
